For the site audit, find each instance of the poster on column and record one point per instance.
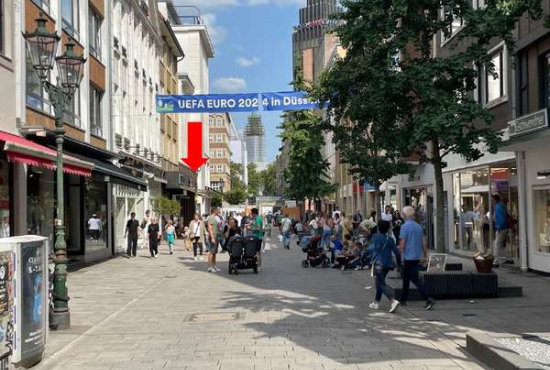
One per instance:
(32, 294)
(6, 303)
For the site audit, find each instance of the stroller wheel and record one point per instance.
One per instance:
(305, 264)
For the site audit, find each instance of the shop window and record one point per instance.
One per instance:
(40, 202)
(96, 125)
(542, 220)
(70, 15)
(4, 199)
(471, 210)
(96, 214)
(94, 27)
(495, 80)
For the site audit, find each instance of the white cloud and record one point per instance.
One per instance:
(247, 62)
(230, 84)
(217, 33)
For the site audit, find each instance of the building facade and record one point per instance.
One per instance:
(220, 151)
(254, 136)
(193, 71)
(239, 153)
(137, 49)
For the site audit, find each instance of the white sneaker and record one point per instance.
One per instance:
(358, 268)
(209, 269)
(201, 258)
(394, 306)
(214, 270)
(196, 258)
(152, 258)
(374, 306)
(217, 269)
(156, 255)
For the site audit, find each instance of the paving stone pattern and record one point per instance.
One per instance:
(169, 313)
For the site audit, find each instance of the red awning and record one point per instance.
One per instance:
(27, 152)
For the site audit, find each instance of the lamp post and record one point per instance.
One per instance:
(42, 48)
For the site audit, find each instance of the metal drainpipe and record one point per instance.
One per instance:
(522, 181)
(111, 203)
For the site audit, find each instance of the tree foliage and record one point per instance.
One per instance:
(167, 207)
(254, 180)
(269, 180)
(217, 200)
(427, 99)
(307, 171)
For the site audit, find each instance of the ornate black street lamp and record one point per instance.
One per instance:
(42, 48)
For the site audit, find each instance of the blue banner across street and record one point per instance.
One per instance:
(222, 103)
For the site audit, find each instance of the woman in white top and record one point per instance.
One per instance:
(197, 232)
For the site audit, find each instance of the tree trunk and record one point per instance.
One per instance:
(440, 203)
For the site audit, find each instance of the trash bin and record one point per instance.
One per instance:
(30, 297)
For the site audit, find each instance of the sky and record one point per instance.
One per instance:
(253, 45)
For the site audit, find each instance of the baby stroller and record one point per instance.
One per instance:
(315, 255)
(243, 254)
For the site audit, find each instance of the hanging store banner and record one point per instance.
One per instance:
(230, 103)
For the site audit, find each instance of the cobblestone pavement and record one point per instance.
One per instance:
(169, 313)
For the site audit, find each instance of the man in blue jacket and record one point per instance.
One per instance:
(501, 227)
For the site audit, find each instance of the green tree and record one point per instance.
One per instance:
(236, 174)
(166, 206)
(355, 90)
(431, 96)
(216, 200)
(235, 196)
(307, 171)
(255, 185)
(269, 180)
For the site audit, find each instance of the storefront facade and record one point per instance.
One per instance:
(534, 187)
(470, 188)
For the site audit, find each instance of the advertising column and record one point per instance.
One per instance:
(6, 305)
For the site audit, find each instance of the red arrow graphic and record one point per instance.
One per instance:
(194, 159)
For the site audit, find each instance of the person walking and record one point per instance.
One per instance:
(285, 228)
(197, 234)
(413, 250)
(153, 234)
(131, 232)
(257, 228)
(143, 226)
(382, 248)
(170, 231)
(388, 214)
(213, 240)
(94, 227)
(501, 228)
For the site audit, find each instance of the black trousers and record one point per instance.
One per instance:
(153, 246)
(197, 245)
(132, 245)
(410, 274)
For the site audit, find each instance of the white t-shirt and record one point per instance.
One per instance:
(285, 224)
(94, 223)
(387, 217)
(313, 224)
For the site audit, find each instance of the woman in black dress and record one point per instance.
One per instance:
(153, 231)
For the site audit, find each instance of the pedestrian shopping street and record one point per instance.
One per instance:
(169, 313)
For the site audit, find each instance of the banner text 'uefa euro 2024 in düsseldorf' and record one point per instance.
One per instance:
(229, 103)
